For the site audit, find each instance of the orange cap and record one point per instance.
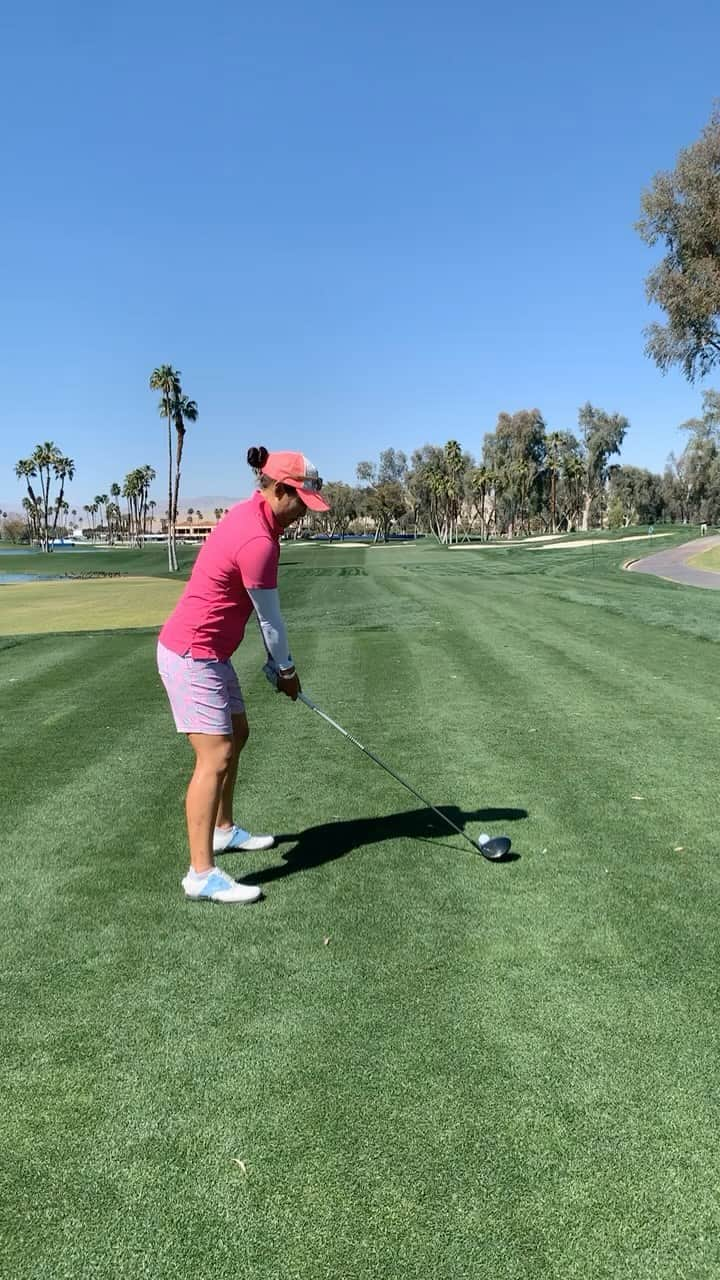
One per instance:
(296, 470)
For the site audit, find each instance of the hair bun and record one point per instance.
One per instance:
(257, 457)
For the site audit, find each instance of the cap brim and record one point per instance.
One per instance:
(313, 500)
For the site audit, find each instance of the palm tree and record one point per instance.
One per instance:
(114, 515)
(44, 456)
(190, 514)
(480, 483)
(64, 469)
(102, 500)
(183, 410)
(26, 470)
(32, 511)
(178, 409)
(166, 380)
(46, 461)
(115, 493)
(453, 486)
(133, 491)
(218, 513)
(147, 475)
(522, 476)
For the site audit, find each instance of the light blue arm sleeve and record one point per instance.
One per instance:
(266, 603)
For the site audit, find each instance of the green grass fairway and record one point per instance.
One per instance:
(708, 560)
(405, 1063)
(104, 605)
(151, 561)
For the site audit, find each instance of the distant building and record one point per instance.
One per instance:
(188, 531)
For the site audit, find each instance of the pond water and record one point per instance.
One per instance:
(34, 551)
(6, 578)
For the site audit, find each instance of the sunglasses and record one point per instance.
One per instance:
(313, 483)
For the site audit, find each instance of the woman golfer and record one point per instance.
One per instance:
(234, 574)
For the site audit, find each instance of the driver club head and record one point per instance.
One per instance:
(494, 848)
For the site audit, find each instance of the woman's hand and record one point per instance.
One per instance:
(289, 683)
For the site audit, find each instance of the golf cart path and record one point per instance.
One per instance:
(673, 564)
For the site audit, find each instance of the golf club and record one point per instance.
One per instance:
(493, 848)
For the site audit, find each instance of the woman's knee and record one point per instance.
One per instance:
(213, 753)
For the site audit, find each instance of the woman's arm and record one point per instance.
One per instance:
(266, 603)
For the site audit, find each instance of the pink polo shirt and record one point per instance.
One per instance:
(242, 552)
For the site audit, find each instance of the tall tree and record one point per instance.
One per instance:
(572, 489)
(131, 493)
(482, 480)
(384, 499)
(426, 489)
(385, 502)
(183, 410)
(115, 493)
(136, 491)
(681, 212)
(101, 501)
(554, 455)
(26, 469)
(63, 469)
(697, 467)
(602, 434)
(47, 462)
(515, 452)
(166, 380)
(439, 489)
(146, 475)
(635, 495)
(454, 488)
(392, 467)
(343, 508)
(32, 515)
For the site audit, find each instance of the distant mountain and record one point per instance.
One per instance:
(206, 504)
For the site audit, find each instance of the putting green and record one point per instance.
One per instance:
(95, 605)
(707, 560)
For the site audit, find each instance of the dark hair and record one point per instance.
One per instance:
(257, 457)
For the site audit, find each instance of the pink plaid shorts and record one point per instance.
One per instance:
(204, 694)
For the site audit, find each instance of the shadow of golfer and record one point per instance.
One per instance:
(330, 840)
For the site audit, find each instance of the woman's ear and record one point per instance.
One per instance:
(280, 489)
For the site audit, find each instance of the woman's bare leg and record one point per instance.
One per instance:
(213, 755)
(241, 732)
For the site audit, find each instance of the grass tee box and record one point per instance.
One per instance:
(104, 605)
(405, 1063)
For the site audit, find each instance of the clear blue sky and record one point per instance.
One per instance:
(349, 225)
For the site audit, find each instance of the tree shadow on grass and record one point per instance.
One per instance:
(330, 840)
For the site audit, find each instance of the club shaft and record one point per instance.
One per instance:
(403, 783)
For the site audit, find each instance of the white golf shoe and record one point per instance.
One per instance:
(217, 886)
(236, 839)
